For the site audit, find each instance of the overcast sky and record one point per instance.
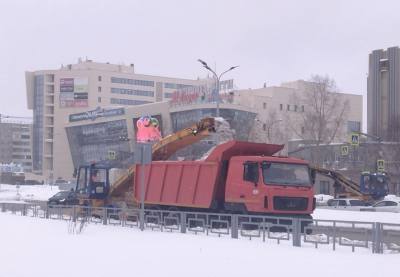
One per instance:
(272, 41)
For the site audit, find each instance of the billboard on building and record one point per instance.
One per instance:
(74, 92)
(203, 94)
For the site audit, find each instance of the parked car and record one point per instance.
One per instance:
(63, 198)
(346, 204)
(387, 206)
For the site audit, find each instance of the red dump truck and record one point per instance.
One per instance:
(237, 177)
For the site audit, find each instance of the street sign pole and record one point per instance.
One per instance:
(143, 156)
(142, 192)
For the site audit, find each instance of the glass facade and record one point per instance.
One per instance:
(37, 139)
(132, 92)
(92, 143)
(144, 83)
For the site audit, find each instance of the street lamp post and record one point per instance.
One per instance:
(218, 78)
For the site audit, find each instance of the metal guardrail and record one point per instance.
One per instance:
(300, 232)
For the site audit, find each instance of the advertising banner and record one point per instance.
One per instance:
(94, 114)
(74, 92)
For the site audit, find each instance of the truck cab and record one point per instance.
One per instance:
(374, 184)
(269, 184)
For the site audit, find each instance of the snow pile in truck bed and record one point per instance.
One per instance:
(223, 133)
(223, 130)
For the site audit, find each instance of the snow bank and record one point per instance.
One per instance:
(383, 217)
(322, 199)
(392, 197)
(47, 250)
(38, 192)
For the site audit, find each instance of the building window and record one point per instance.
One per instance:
(264, 127)
(302, 130)
(99, 99)
(168, 95)
(132, 82)
(177, 86)
(99, 89)
(99, 78)
(353, 126)
(281, 107)
(288, 107)
(295, 108)
(324, 187)
(264, 105)
(136, 92)
(302, 108)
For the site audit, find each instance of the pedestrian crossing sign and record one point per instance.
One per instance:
(111, 155)
(344, 150)
(380, 164)
(355, 139)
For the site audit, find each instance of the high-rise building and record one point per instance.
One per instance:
(15, 143)
(55, 94)
(384, 94)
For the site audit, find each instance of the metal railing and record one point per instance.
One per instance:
(375, 237)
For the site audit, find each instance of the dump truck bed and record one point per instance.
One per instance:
(173, 183)
(194, 183)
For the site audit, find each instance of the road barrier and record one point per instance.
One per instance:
(300, 232)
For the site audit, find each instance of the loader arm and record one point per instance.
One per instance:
(165, 148)
(350, 186)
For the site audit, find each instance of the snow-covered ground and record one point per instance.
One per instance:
(9, 193)
(40, 247)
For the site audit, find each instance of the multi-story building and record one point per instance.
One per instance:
(384, 94)
(55, 94)
(281, 112)
(15, 143)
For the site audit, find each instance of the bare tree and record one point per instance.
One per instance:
(268, 130)
(323, 117)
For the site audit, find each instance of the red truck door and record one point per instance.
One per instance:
(244, 185)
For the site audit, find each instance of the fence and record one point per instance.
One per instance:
(300, 232)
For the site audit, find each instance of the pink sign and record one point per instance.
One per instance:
(147, 129)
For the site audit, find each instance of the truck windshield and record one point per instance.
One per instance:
(286, 174)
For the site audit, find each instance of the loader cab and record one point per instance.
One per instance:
(93, 181)
(374, 184)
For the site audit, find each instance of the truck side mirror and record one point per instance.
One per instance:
(250, 173)
(313, 174)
